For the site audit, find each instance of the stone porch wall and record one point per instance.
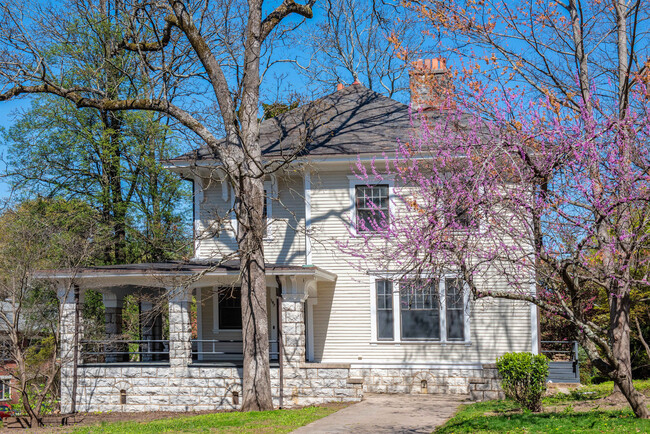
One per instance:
(194, 388)
(200, 388)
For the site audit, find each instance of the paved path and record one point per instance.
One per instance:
(389, 414)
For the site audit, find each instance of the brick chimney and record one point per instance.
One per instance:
(431, 85)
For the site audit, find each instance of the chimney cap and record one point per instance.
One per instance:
(340, 86)
(435, 64)
(356, 81)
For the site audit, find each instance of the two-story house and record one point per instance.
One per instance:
(337, 330)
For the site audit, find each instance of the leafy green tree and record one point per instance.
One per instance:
(55, 149)
(36, 235)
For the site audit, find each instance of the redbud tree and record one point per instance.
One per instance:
(557, 205)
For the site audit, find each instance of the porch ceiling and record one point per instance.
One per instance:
(163, 272)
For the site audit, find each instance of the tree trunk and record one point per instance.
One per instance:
(256, 381)
(619, 304)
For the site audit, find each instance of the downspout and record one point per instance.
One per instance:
(75, 351)
(307, 181)
(278, 294)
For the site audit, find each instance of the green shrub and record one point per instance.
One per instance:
(524, 378)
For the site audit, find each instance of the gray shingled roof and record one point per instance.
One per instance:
(354, 120)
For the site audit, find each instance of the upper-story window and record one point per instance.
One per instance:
(371, 203)
(371, 206)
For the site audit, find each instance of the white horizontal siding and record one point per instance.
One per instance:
(342, 315)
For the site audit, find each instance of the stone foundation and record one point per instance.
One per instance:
(199, 388)
(194, 388)
(480, 384)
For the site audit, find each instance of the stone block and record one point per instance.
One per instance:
(483, 386)
(292, 317)
(159, 382)
(493, 395)
(131, 372)
(344, 392)
(333, 373)
(154, 372)
(398, 389)
(184, 400)
(476, 395)
(293, 329)
(160, 399)
(137, 400)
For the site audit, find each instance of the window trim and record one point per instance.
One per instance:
(215, 314)
(271, 189)
(6, 380)
(397, 314)
(372, 180)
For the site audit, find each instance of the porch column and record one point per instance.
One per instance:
(293, 322)
(180, 327)
(67, 347)
(151, 330)
(113, 304)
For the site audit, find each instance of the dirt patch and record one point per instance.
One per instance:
(615, 401)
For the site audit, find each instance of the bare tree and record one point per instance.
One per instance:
(356, 41)
(207, 56)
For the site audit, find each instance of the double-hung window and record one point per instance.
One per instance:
(229, 309)
(421, 310)
(5, 389)
(385, 310)
(371, 203)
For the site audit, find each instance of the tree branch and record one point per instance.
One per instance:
(153, 46)
(287, 8)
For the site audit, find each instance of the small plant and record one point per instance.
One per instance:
(524, 378)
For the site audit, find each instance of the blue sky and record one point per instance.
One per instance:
(290, 80)
(7, 109)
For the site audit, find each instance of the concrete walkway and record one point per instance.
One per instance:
(389, 414)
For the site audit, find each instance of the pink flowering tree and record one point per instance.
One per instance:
(555, 205)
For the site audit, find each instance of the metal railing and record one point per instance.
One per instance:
(224, 349)
(121, 351)
(566, 350)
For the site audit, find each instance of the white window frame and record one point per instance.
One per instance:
(5, 395)
(271, 188)
(397, 314)
(215, 314)
(372, 180)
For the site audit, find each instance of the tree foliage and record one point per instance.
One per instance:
(40, 234)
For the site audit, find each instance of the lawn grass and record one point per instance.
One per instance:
(506, 417)
(277, 421)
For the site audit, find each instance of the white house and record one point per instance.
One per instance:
(336, 329)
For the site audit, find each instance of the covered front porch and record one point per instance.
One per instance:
(184, 313)
(187, 348)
